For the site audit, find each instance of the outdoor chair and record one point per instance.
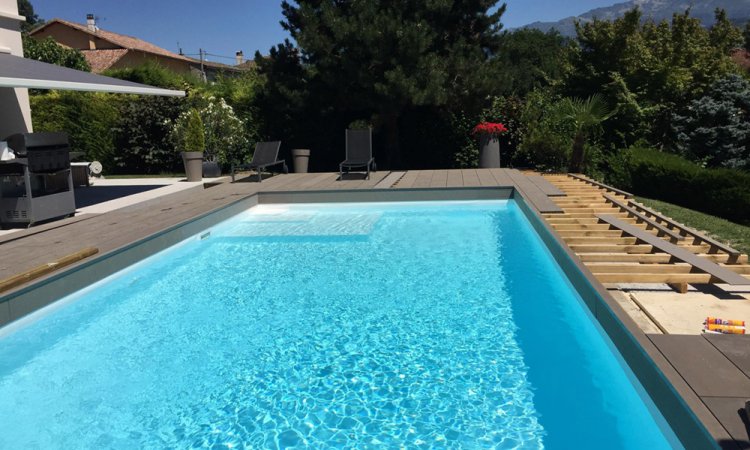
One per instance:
(358, 152)
(266, 155)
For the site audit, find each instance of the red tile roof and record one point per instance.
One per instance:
(101, 60)
(121, 40)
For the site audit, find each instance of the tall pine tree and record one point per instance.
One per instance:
(384, 56)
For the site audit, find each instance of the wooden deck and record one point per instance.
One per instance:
(38, 246)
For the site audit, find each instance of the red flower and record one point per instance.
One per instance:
(493, 129)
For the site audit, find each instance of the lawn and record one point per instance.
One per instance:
(736, 235)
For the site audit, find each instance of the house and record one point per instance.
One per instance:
(18, 74)
(107, 50)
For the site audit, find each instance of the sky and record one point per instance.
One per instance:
(222, 27)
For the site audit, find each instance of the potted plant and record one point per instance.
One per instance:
(192, 145)
(489, 146)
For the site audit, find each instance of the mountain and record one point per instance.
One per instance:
(737, 10)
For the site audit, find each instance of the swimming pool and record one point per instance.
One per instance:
(442, 324)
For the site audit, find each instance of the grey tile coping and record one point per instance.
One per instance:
(727, 410)
(735, 347)
(705, 369)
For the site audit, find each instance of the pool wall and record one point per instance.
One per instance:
(667, 389)
(664, 385)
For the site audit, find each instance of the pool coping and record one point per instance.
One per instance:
(679, 404)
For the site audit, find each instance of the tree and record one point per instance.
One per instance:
(647, 70)
(528, 59)
(584, 115)
(27, 10)
(382, 57)
(49, 51)
(715, 130)
(746, 36)
(723, 34)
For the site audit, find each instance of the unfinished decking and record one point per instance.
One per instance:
(613, 255)
(569, 207)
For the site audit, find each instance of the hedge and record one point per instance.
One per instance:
(668, 177)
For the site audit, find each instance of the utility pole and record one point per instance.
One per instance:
(201, 52)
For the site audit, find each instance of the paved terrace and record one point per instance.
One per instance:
(711, 372)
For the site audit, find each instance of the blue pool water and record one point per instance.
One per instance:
(442, 325)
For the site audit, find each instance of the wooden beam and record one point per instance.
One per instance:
(611, 248)
(44, 269)
(578, 232)
(625, 257)
(666, 278)
(607, 267)
(593, 240)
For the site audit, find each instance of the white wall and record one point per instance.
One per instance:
(15, 112)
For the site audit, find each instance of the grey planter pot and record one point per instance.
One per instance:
(193, 162)
(489, 152)
(301, 157)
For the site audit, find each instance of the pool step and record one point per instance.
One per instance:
(306, 225)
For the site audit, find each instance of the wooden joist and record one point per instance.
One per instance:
(600, 185)
(680, 253)
(666, 278)
(650, 223)
(685, 231)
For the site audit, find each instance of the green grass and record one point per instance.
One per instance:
(736, 235)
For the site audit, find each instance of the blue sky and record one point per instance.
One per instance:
(222, 27)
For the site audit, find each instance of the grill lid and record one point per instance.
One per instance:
(22, 143)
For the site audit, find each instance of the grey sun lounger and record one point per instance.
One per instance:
(358, 152)
(266, 155)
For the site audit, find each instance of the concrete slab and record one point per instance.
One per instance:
(730, 412)
(708, 372)
(685, 313)
(735, 347)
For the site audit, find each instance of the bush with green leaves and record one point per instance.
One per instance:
(88, 118)
(715, 130)
(671, 178)
(225, 134)
(190, 134)
(49, 51)
(546, 140)
(143, 135)
(154, 74)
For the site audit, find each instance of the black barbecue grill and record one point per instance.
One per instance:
(37, 185)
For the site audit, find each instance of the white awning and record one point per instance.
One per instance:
(28, 73)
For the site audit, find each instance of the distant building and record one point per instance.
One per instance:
(107, 50)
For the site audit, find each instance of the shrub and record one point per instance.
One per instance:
(663, 176)
(225, 135)
(143, 135)
(49, 51)
(153, 74)
(88, 119)
(193, 136)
